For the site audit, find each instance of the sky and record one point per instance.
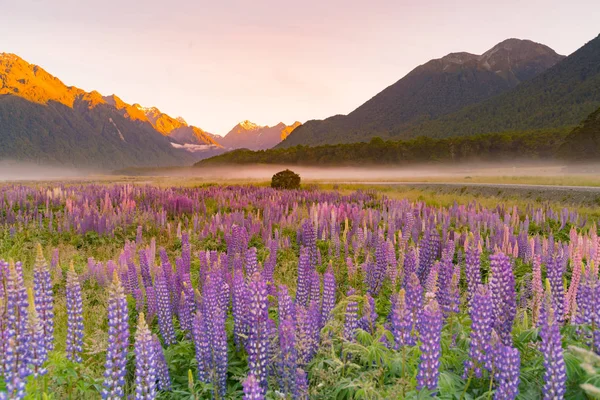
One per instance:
(219, 62)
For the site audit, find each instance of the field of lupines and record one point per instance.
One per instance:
(127, 291)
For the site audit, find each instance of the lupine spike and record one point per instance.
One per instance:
(118, 342)
(74, 345)
(430, 329)
(145, 362)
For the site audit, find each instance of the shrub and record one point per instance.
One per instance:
(285, 180)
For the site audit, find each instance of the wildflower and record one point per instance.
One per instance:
(430, 330)
(74, 316)
(118, 342)
(145, 362)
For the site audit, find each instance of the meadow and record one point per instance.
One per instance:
(200, 291)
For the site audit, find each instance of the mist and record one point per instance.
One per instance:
(413, 173)
(26, 171)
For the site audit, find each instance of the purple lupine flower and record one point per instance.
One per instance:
(38, 353)
(401, 321)
(445, 274)
(379, 270)
(17, 354)
(315, 287)
(251, 262)
(258, 340)
(472, 266)
(286, 306)
(502, 286)
(145, 362)
(288, 357)
(302, 384)
(304, 277)
(480, 350)
(307, 332)
(431, 284)
(202, 345)
(240, 309)
(145, 268)
(507, 366)
(329, 289)
(118, 342)
(555, 376)
(369, 315)
(252, 388)
(162, 369)
(555, 271)
(309, 240)
(15, 383)
(132, 276)
(74, 345)
(430, 330)
(44, 298)
(213, 323)
(165, 313)
(411, 266)
(152, 303)
(351, 319)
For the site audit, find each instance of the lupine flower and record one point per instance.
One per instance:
(480, 350)
(38, 354)
(258, 339)
(411, 266)
(145, 362)
(44, 298)
(202, 344)
(286, 306)
(379, 270)
(502, 286)
(315, 288)
(351, 319)
(213, 325)
(251, 262)
(369, 315)
(430, 330)
(302, 384)
(74, 316)
(17, 353)
(329, 289)
(288, 357)
(162, 369)
(401, 321)
(165, 314)
(118, 342)
(152, 303)
(472, 266)
(555, 271)
(555, 376)
(507, 363)
(304, 275)
(240, 309)
(252, 388)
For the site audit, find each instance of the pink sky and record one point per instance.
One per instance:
(220, 62)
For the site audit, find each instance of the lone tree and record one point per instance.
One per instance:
(285, 180)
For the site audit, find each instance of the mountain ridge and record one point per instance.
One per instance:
(437, 87)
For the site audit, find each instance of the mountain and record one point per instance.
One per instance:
(177, 128)
(436, 88)
(562, 96)
(583, 143)
(45, 121)
(248, 135)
